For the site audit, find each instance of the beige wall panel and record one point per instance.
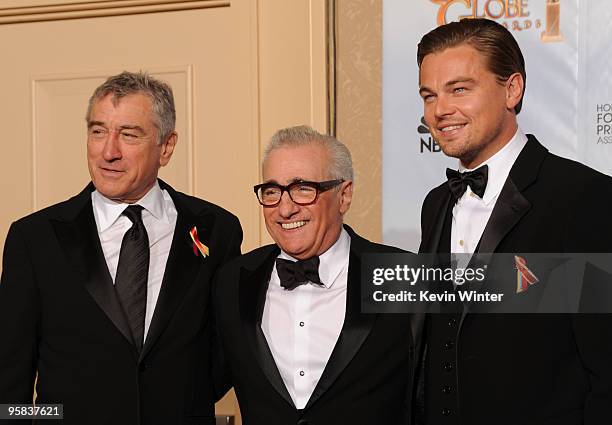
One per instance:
(217, 97)
(60, 168)
(358, 102)
(257, 66)
(292, 66)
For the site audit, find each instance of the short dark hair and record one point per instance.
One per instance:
(499, 48)
(160, 93)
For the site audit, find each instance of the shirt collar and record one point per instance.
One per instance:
(108, 211)
(500, 165)
(333, 261)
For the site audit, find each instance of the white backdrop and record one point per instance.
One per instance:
(568, 100)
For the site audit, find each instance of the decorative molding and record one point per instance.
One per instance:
(332, 24)
(359, 107)
(96, 9)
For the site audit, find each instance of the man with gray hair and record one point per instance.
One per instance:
(297, 346)
(104, 297)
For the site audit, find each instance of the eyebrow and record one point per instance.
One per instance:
(92, 123)
(123, 127)
(450, 83)
(460, 80)
(132, 127)
(293, 180)
(424, 89)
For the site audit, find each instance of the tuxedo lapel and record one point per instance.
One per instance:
(356, 328)
(511, 205)
(252, 297)
(77, 235)
(182, 268)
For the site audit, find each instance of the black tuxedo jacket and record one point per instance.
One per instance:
(60, 318)
(535, 369)
(369, 375)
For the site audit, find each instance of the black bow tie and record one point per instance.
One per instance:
(476, 180)
(295, 273)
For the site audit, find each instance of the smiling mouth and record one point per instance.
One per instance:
(450, 128)
(110, 170)
(293, 225)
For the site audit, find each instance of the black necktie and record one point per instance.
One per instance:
(476, 180)
(295, 273)
(132, 273)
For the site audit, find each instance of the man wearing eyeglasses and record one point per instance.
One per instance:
(297, 346)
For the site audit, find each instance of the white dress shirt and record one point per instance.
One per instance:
(302, 326)
(471, 213)
(159, 218)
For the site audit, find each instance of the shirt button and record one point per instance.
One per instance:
(449, 345)
(446, 412)
(461, 242)
(452, 322)
(447, 389)
(302, 373)
(301, 324)
(448, 367)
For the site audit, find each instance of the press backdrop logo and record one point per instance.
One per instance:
(427, 143)
(604, 123)
(513, 14)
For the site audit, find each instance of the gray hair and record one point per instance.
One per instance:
(341, 164)
(160, 93)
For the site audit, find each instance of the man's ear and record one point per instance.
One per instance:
(346, 196)
(515, 86)
(167, 148)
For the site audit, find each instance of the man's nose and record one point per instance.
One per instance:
(286, 207)
(112, 150)
(444, 106)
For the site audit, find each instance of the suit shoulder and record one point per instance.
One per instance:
(199, 205)
(229, 275)
(570, 170)
(436, 192)
(57, 210)
(251, 259)
(363, 245)
(386, 249)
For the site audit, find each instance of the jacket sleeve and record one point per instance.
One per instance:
(222, 380)
(590, 231)
(19, 318)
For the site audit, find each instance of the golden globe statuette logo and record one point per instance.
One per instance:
(553, 12)
(490, 9)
